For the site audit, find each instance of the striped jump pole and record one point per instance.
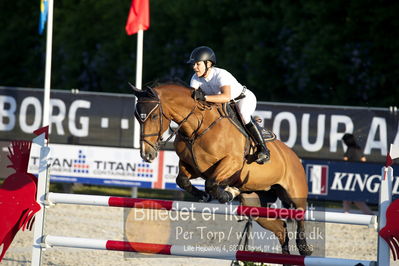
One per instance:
(192, 251)
(225, 209)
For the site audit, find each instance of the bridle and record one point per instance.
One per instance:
(143, 117)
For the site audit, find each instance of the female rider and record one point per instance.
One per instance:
(219, 86)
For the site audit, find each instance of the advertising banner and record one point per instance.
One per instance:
(104, 119)
(109, 166)
(91, 135)
(315, 131)
(98, 165)
(338, 180)
(100, 119)
(327, 180)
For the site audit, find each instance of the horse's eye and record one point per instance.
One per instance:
(154, 116)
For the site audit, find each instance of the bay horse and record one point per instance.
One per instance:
(210, 146)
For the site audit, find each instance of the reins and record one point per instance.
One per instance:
(190, 139)
(195, 135)
(175, 131)
(160, 142)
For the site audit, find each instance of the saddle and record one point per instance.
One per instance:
(230, 110)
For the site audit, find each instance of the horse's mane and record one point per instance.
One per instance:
(167, 81)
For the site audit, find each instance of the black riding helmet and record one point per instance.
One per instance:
(202, 53)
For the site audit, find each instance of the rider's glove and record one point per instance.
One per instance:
(198, 95)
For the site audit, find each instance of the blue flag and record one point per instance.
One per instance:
(43, 15)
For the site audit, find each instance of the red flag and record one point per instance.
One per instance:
(139, 16)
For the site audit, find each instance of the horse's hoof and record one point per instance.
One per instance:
(305, 249)
(225, 197)
(206, 198)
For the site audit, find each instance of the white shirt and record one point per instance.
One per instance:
(217, 78)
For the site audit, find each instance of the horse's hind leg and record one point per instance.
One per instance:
(183, 181)
(298, 202)
(278, 227)
(301, 243)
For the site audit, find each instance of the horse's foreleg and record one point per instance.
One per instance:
(223, 193)
(220, 182)
(183, 181)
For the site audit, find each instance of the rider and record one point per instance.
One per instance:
(219, 86)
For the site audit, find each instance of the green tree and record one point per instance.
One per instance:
(329, 52)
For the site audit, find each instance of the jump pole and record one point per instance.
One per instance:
(180, 250)
(229, 209)
(383, 250)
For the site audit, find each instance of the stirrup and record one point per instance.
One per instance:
(262, 156)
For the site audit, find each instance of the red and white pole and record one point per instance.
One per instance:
(186, 251)
(316, 216)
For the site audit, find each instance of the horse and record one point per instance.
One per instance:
(210, 146)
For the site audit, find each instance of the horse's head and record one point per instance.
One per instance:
(153, 122)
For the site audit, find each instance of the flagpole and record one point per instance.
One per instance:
(47, 78)
(139, 76)
(43, 175)
(139, 73)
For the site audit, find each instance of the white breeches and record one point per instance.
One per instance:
(247, 106)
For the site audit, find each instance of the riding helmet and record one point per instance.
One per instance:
(202, 53)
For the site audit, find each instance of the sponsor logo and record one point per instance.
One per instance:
(318, 179)
(83, 164)
(144, 170)
(80, 165)
(359, 182)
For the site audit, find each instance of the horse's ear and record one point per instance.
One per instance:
(152, 92)
(136, 91)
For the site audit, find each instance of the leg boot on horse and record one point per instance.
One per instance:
(223, 193)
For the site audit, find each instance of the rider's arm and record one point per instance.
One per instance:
(194, 83)
(223, 97)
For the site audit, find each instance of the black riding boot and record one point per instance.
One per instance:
(262, 152)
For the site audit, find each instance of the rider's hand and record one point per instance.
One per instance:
(198, 95)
